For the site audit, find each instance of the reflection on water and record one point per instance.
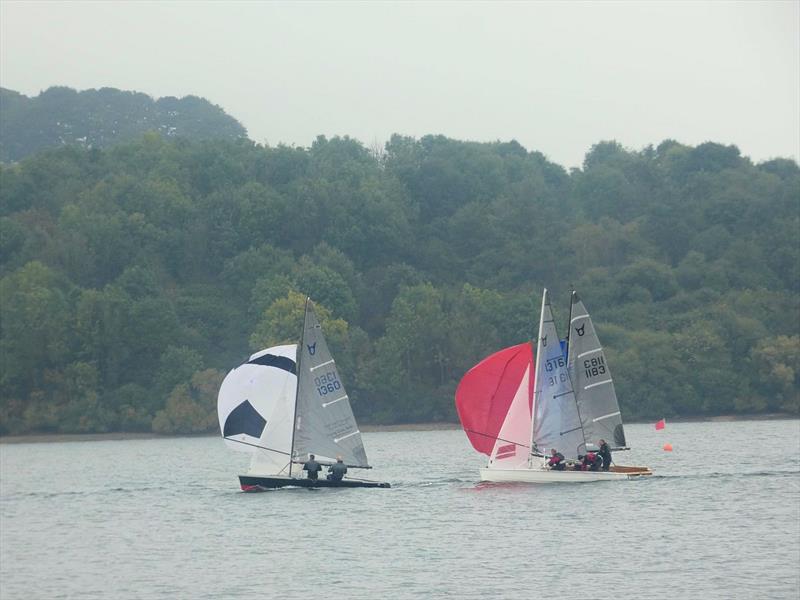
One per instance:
(164, 519)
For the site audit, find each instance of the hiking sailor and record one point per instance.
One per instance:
(312, 466)
(556, 461)
(605, 454)
(337, 470)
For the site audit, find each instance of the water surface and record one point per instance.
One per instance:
(163, 518)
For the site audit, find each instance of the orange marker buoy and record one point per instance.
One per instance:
(667, 447)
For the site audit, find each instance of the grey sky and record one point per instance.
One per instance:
(557, 77)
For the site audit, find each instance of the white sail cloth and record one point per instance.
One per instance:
(591, 376)
(256, 408)
(556, 423)
(325, 425)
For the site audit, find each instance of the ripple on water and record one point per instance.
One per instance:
(114, 521)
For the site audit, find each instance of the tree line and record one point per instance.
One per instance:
(134, 277)
(61, 116)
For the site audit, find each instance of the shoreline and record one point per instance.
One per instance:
(44, 438)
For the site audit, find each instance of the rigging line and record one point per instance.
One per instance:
(570, 360)
(495, 438)
(298, 361)
(230, 439)
(328, 464)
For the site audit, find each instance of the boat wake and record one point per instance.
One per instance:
(735, 475)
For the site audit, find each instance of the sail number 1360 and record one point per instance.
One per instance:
(327, 383)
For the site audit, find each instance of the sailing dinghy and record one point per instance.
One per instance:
(286, 402)
(515, 408)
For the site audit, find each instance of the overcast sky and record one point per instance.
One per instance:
(557, 77)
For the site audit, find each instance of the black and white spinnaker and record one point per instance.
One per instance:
(286, 402)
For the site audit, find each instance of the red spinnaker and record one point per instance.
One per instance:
(485, 393)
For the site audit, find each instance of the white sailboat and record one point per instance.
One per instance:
(286, 402)
(517, 411)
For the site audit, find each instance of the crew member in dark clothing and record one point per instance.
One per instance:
(591, 462)
(556, 461)
(312, 466)
(337, 470)
(605, 454)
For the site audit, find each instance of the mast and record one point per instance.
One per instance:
(536, 382)
(569, 371)
(569, 328)
(297, 387)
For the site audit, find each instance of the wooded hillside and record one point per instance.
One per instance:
(61, 116)
(134, 277)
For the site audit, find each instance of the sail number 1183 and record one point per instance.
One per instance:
(594, 366)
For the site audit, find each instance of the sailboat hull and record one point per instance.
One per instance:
(542, 475)
(250, 483)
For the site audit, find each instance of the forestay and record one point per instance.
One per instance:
(591, 377)
(556, 423)
(324, 425)
(256, 407)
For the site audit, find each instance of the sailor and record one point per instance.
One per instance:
(337, 470)
(605, 454)
(312, 466)
(591, 462)
(556, 461)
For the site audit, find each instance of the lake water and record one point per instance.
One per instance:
(164, 518)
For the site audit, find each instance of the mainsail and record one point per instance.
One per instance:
(324, 424)
(591, 378)
(256, 406)
(493, 401)
(556, 423)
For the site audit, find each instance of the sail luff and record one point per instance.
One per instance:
(537, 382)
(298, 360)
(570, 371)
(569, 322)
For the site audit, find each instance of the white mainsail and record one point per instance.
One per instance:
(325, 425)
(556, 423)
(591, 376)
